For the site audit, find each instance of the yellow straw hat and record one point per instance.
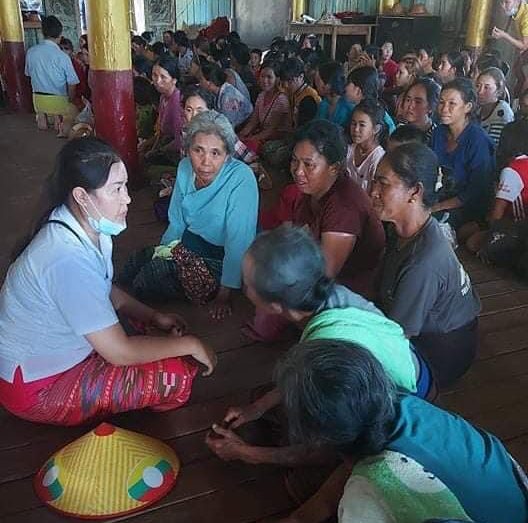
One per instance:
(107, 472)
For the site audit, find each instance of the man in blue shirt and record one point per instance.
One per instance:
(53, 78)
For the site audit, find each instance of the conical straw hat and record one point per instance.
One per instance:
(107, 472)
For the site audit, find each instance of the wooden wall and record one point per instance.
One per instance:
(451, 11)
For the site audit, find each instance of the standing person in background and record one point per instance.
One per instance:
(518, 11)
(388, 65)
(53, 79)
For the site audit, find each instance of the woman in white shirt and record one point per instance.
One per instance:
(64, 355)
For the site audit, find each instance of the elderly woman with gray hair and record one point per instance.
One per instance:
(212, 222)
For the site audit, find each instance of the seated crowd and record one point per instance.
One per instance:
(388, 163)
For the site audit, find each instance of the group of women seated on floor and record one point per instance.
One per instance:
(355, 265)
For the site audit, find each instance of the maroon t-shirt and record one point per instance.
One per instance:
(346, 208)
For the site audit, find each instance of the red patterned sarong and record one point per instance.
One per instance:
(95, 389)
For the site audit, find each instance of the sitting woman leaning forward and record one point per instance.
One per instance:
(403, 459)
(284, 274)
(212, 222)
(64, 355)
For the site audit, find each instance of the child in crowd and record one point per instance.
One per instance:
(367, 133)
(362, 84)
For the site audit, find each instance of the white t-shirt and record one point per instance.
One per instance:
(55, 293)
(364, 173)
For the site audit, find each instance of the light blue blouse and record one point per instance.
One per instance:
(224, 213)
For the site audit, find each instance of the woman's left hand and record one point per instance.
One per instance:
(170, 322)
(221, 307)
(497, 33)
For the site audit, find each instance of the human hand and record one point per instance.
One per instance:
(170, 322)
(237, 416)
(221, 307)
(365, 59)
(227, 445)
(205, 355)
(497, 33)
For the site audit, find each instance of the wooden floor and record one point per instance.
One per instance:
(492, 394)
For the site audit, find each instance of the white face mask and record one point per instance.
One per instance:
(104, 225)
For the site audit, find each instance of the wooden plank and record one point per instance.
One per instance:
(472, 402)
(505, 302)
(190, 449)
(502, 320)
(17, 433)
(490, 371)
(501, 342)
(243, 504)
(23, 462)
(518, 448)
(497, 287)
(244, 368)
(184, 421)
(240, 492)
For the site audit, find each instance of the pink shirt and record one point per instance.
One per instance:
(171, 118)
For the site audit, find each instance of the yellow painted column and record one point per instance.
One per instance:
(14, 56)
(111, 75)
(385, 6)
(298, 9)
(478, 23)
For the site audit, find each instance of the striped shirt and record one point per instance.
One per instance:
(495, 122)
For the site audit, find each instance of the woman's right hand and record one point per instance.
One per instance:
(206, 355)
(237, 416)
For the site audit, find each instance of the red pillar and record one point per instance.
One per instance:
(115, 114)
(13, 57)
(111, 79)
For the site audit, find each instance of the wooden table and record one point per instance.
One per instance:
(334, 30)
